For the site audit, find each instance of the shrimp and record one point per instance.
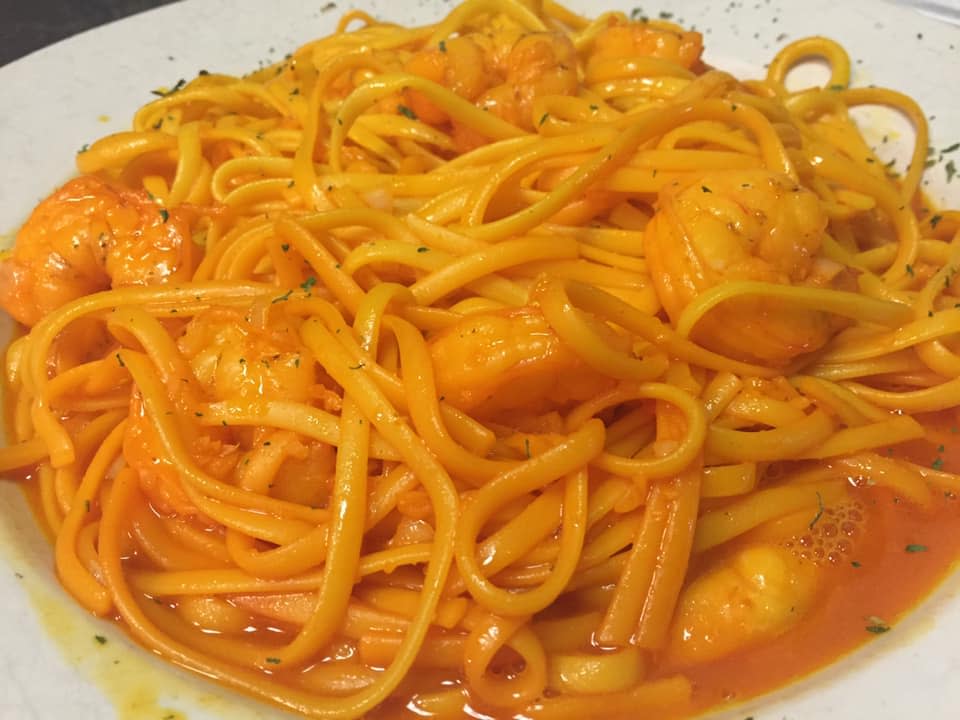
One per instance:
(539, 64)
(507, 360)
(459, 65)
(502, 75)
(742, 225)
(233, 358)
(160, 479)
(90, 236)
(758, 594)
(683, 47)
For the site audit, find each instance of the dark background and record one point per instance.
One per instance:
(28, 25)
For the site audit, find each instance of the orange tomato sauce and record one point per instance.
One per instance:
(874, 584)
(897, 562)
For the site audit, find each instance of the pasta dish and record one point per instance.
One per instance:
(520, 365)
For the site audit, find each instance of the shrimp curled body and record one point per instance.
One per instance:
(738, 226)
(89, 236)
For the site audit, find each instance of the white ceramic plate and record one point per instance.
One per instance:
(55, 100)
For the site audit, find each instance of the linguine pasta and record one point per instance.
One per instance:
(519, 364)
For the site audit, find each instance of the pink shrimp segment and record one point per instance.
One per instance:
(641, 39)
(90, 236)
(743, 225)
(478, 371)
(232, 359)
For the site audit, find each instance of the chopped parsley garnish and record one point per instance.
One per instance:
(308, 283)
(85, 147)
(855, 564)
(951, 170)
(952, 148)
(281, 298)
(915, 548)
(165, 214)
(100, 639)
(273, 660)
(544, 118)
(816, 518)
(442, 45)
(935, 220)
(120, 360)
(526, 447)
(937, 464)
(706, 189)
(909, 270)
(406, 112)
(163, 93)
(877, 628)
(423, 249)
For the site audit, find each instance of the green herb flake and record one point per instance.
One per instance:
(358, 366)
(406, 112)
(423, 249)
(706, 189)
(909, 269)
(442, 46)
(937, 464)
(281, 298)
(120, 360)
(526, 447)
(544, 118)
(877, 628)
(915, 548)
(84, 148)
(100, 639)
(952, 148)
(951, 170)
(594, 108)
(816, 518)
(941, 448)
(308, 283)
(165, 214)
(935, 220)
(855, 564)
(273, 660)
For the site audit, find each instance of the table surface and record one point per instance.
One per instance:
(28, 25)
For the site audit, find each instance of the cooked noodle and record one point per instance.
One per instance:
(470, 364)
